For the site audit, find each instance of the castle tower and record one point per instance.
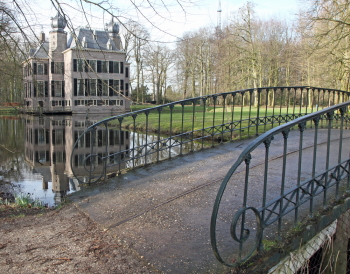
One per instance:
(58, 37)
(58, 44)
(113, 32)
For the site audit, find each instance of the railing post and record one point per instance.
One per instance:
(241, 115)
(104, 157)
(158, 132)
(120, 120)
(294, 98)
(213, 125)
(146, 142)
(232, 113)
(267, 144)
(133, 139)
(93, 142)
(193, 121)
(223, 117)
(182, 124)
(314, 160)
(257, 113)
(342, 112)
(251, 92)
(280, 115)
(171, 129)
(203, 121)
(266, 106)
(247, 161)
(301, 127)
(285, 134)
(330, 116)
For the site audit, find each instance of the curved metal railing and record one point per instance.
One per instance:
(273, 185)
(149, 135)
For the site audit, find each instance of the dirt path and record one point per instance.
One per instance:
(62, 241)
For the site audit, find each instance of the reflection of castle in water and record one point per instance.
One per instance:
(49, 143)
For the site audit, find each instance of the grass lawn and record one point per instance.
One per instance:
(189, 118)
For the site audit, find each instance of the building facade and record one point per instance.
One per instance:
(86, 73)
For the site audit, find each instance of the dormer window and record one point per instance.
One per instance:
(84, 42)
(109, 44)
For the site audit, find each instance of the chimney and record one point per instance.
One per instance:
(42, 37)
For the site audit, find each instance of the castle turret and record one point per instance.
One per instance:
(113, 32)
(58, 37)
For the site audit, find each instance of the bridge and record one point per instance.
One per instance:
(221, 207)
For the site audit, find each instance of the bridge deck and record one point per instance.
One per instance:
(163, 211)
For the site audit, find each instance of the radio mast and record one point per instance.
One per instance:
(219, 16)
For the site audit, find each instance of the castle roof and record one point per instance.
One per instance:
(92, 39)
(42, 51)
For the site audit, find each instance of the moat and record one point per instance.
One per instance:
(35, 153)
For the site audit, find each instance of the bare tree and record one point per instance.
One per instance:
(158, 60)
(136, 38)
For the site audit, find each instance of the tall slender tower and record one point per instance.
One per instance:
(219, 16)
(58, 37)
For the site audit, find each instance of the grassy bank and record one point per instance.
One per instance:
(8, 110)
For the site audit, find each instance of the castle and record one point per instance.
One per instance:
(87, 73)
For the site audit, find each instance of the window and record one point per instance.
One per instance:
(126, 89)
(79, 102)
(57, 67)
(80, 87)
(58, 103)
(99, 66)
(111, 67)
(116, 67)
(110, 87)
(80, 65)
(121, 85)
(75, 65)
(127, 72)
(113, 87)
(57, 88)
(116, 86)
(93, 87)
(41, 89)
(30, 85)
(105, 88)
(92, 67)
(39, 68)
(104, 66)
(99, 87)
(25, 90)
(40, 135)
(121, 67)
(87, 87)
(86, 65)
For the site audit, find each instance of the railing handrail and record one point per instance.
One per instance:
(123, 115)
(236, 102)
(272, 132)
(245, 155)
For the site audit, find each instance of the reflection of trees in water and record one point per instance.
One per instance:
(139, 149)
(12, 147)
